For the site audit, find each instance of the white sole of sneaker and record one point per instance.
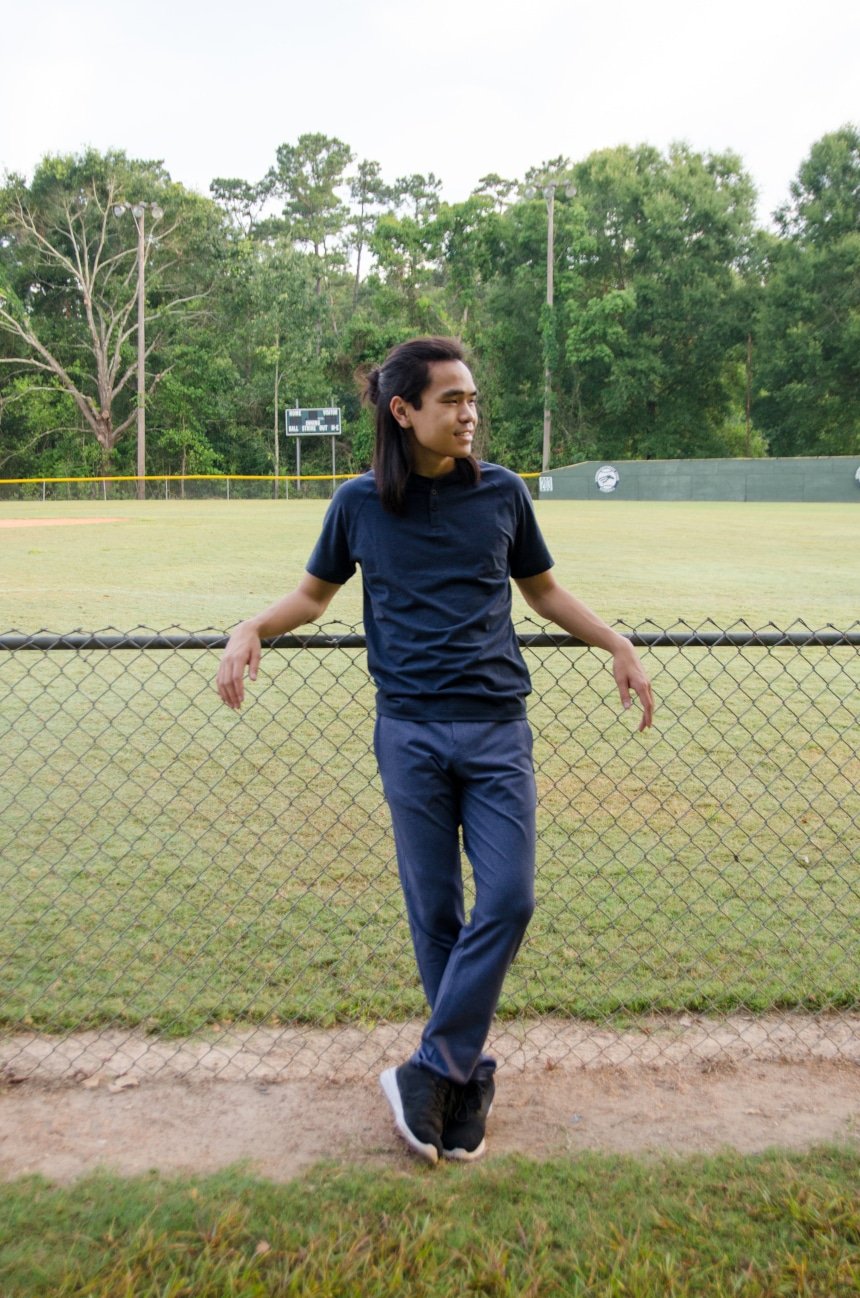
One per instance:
(466, 1155)
(388, 1082)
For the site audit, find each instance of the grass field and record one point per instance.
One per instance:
(190, 866)
(211, 563)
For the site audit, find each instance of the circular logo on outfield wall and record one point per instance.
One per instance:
(857, 476)
(607, 478)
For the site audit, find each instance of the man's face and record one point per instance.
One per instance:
(444, 425)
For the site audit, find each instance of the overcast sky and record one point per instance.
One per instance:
(458, 87)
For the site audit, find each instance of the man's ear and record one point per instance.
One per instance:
(397, 406)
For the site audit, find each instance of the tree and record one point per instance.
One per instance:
(655, 328)
(306, 178)
(243, 202)
(807, 337)
(648, 326)
(509, 342)
(825, 196)
(68, 281)
(371, 196)
(496, 188)
(191, 407)
(39, 430)
(467, 244)
(406, 243)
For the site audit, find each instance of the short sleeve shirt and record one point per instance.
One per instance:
(437, 595)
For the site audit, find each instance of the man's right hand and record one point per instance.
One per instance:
(243, 650)
(306, 603)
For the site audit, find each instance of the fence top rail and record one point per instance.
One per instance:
(183, 477)
(684, 638)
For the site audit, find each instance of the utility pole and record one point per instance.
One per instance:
(550, 301)
(749, 394)
(141, 352)
(548, 191)
(277, 396)
(138, 211)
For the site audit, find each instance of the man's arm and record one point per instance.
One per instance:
(552, 602)
(305, 604)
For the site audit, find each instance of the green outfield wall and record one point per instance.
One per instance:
(812, 478)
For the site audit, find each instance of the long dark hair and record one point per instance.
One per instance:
(405, 373)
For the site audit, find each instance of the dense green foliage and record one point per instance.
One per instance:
(678, 328)
(809, 320)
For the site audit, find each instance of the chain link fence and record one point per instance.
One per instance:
(188, 486)
(186, 890)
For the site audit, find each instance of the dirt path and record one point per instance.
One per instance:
(132, 1105)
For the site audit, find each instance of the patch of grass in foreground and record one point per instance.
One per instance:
(759, 1226)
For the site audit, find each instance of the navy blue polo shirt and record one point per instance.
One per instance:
(437, 596)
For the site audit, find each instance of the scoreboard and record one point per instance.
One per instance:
(314, 423)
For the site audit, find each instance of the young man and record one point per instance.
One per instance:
(438, 536)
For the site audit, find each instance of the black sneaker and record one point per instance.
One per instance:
(419, 1100)
(463, 1133)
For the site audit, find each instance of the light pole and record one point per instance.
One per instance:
(548, 190)
(138, 211)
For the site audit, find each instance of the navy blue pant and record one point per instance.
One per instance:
(439, 776)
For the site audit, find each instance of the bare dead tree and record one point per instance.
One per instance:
(77, 242)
